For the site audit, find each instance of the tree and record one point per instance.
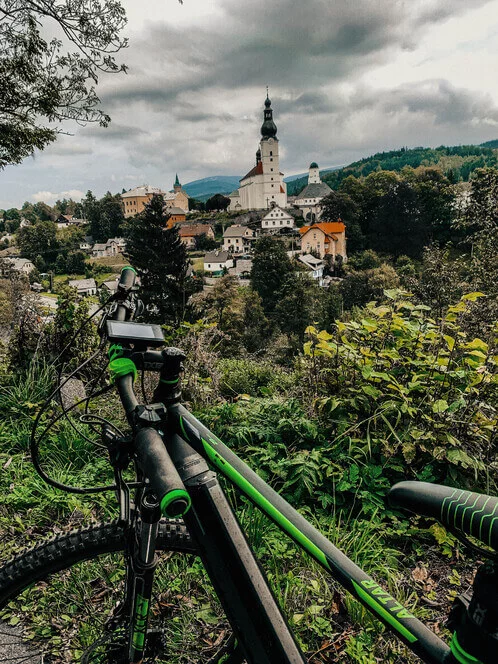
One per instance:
(41, 81)
(217, 202)
(76, 263)
(43, 211)
(160, 258)
(358, 288)
(205, 243)
(38, 240)
(270, 269)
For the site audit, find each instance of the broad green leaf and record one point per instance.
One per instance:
(472, 297)
(477, 344)
(450, 341)
(439, 406)
(324, 336)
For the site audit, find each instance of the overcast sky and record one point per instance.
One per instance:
(347, 78)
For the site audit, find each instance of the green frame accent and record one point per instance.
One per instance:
(170, 497)
(383, 612)
(265, 505)
(460, 654)
(141, 613)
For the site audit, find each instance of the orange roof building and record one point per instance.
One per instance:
(324, 238)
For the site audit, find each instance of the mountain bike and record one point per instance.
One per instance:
(121, 590)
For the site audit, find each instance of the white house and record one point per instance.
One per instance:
(216, 261)
(84, 286)
(310, 198)
(22, 265)
(116, 245)
(276, 219)
(264, 186)
(238, 239)
(314, 265)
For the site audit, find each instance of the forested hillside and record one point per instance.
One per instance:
(456, 163)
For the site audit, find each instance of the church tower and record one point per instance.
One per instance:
(263, 187)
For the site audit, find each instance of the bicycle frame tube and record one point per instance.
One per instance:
(417, 637)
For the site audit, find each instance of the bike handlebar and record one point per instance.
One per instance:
(148, 446)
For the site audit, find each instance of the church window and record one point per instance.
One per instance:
(271, 158)
(273, 223)
(271, 169)
(271, 153)
(273, 186)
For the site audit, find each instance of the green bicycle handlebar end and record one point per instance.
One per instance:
(175, 503)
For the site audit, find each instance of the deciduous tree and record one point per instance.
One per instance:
(45, 82)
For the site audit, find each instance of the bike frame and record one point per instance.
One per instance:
(183, 426)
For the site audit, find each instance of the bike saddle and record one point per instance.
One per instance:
(470, 513)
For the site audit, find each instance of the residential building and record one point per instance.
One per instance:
(238, 239)
(177, 197)
(217, 262)
(263, 186)
(110, 286)
(328, 237)
(314, 265)
(84, 286)
(22, 265)
(87, 243)
(176, 216)
(189, 232)
(310, 198)
(242, 267)
(136, 199)
(276, 219)
(113, 246)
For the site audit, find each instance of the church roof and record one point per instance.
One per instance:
(234, 193)
(143, 190)
(328, 227)
(257, 170)
(315, 190)
(313, 164)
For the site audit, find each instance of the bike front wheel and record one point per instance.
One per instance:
(59, 602)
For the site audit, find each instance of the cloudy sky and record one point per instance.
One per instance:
(347, 78)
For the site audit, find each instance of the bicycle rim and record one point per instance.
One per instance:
(67, 597)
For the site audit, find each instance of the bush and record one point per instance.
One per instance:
(251, 377)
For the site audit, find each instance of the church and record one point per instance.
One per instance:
(263, 187)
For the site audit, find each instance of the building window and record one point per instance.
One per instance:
(271, 153)
(271, 169)
(271, 158)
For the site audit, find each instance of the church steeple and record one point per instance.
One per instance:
(268, 128)
(177, 186)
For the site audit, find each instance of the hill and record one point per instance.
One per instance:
(457, 163)
(207, 187)
(224, 184)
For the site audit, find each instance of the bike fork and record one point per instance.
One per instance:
(143, 565)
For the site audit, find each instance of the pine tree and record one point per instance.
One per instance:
(161, 261)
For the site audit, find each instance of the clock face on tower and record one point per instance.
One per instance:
(270, 141)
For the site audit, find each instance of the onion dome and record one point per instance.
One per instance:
(268, 128)
(313, 164)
